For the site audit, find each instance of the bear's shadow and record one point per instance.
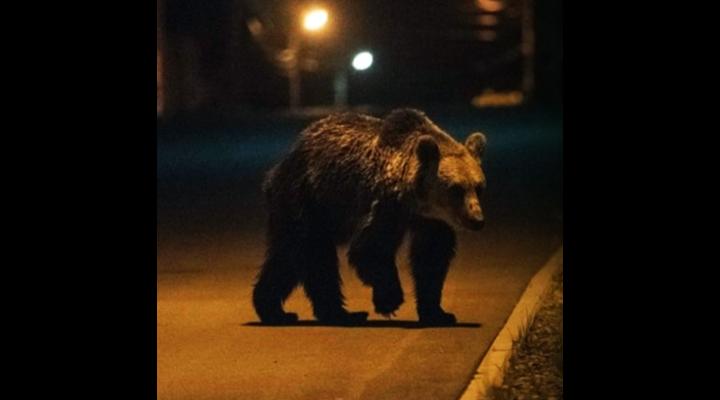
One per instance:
(394, 323)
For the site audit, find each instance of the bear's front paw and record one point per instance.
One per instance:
(387, 299)
(438, 318)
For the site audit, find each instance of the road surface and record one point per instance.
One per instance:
(210, 244)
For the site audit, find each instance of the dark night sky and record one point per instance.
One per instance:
(426, 52)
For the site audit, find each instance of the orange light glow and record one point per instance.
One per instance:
(315, 19)
(491, 98)
(491, 5)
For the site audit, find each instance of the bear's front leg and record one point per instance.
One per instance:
(372, 253)
(431, 250)
(387, 293)
(376, 268)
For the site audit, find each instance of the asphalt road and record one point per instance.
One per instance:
(210, 244)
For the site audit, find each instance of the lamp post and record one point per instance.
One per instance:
(294, 71)
(340, 86)
(360, 62)
(528, 48)
(313, 20)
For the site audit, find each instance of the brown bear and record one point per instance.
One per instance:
(363, 181)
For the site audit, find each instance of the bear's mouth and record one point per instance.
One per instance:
(473, 224)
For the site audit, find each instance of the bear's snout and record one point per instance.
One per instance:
(473, 219)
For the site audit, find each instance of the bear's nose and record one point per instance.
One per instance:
(475, 212)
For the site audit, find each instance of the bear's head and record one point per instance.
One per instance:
(450, 180)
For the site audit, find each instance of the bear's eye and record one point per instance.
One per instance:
(456, 191)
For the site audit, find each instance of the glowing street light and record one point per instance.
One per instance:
(315, 19)
(362, 60)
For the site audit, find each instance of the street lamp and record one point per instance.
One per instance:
(360, 62)
(313, 20)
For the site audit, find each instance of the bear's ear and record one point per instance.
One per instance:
(400, 124)
(476, 144)
(428, 155)
(428, 152)
(404, 120)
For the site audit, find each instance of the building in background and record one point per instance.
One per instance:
(226, 55)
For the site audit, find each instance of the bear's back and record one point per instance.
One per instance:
(359, 154)
(337, 167)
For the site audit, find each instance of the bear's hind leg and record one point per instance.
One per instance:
(276, 281)
(431, 250)
(321, 280)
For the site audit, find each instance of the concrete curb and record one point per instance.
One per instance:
(494, 364)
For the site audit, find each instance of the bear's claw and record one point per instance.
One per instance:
(389, 315)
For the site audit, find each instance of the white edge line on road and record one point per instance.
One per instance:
(492, 368)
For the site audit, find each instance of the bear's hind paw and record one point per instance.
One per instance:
(438, 319)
